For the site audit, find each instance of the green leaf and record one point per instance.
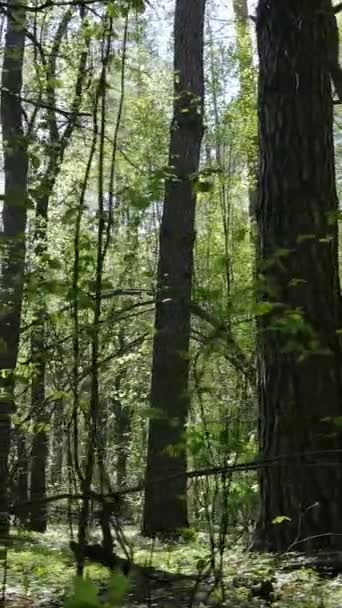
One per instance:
(305, 237)
(240, 234)
(203, 186)
(85, 301)
(56, 83)
(138, 200)
(69, 216)
(118, 586)
(84, 594)
(282, 252)
(280, 519)
(200, 565)
(151, 412)
(35, 162)
(335, 420)
(263, 308)
(54, 287)
(296, 281)
(54, 264)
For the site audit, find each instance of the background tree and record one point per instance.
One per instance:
(52, 150)
(166, 511)
(12, 234)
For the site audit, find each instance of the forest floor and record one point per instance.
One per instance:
(41, 569)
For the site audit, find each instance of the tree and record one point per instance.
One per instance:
(247, 91)
(165, 508)
(54, 152)
(297, 264)
(12, 234)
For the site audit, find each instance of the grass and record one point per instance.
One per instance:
(42, 566)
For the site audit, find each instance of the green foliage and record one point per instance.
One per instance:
(280, 519)
(85, 593)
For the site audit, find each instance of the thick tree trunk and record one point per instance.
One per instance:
(298, 352)
(165, 509)
(12, 235)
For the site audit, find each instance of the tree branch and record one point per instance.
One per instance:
(222, 330)
(310, 458)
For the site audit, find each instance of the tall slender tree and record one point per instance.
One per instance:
(12, 253)
(165, 509)
(298, 352)
(58, 141)
(247, 78)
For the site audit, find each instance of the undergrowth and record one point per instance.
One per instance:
(42, 565)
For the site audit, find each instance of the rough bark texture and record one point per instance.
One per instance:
(165, 509)
(298, 350)
(12, 235)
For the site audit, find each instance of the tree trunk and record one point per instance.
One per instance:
(40, 444)
(57, 448)
(247, 94)
(12, 235)
(165, 509)
(123, 431)
(38, 517)
(55, 150)
(21, 494)
(298, 351)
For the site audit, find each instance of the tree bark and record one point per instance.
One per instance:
(57, 448)
(21, 494)
(40, 444)
(165, 508)
(12, 235)
(298, 350)
(123, 431)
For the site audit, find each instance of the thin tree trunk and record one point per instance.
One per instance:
(123, 430)
(94, 415)
(298, 352)
(244, 46)
(21, 493)
(13, 235)
(55, 151)
(165, 509)
(57, 448)
(40, 444)
(223, 165)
